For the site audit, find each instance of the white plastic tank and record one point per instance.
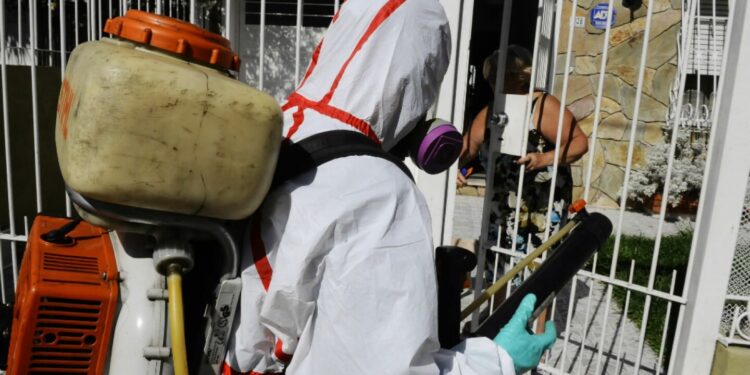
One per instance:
(151, 118)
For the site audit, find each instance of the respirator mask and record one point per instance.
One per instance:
(434, 145)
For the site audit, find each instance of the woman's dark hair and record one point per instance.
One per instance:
(517, 66)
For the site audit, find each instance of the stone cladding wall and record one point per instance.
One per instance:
(621, 79)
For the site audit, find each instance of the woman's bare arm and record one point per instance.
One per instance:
(473, 138)
(573, 142)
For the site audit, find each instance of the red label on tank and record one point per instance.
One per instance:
(63, 106)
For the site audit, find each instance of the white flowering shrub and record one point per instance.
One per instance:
(687, 169)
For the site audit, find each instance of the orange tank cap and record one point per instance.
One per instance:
(577, 206)
(175, 36)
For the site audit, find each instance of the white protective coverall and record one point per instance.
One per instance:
(339, 275)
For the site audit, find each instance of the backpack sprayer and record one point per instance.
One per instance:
(161, 148)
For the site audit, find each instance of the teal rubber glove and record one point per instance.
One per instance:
(524, 348)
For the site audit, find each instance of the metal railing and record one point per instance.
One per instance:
(629, 314)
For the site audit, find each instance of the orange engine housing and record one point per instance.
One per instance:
(65, 302)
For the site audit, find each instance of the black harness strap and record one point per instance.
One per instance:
(309, 153)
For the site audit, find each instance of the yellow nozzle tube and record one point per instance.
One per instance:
(497, 286)
(176, 321)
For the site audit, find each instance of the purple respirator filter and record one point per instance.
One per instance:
(439, 148)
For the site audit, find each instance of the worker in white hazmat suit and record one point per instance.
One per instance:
(339, 274)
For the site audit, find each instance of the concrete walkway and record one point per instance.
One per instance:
(621, 336)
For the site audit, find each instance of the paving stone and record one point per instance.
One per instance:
(581, 352)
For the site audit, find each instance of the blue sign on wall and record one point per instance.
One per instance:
(599, 16)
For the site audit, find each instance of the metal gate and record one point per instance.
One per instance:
(625, 312)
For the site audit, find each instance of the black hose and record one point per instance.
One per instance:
(555, 272)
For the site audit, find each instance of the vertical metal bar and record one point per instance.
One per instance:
(63, 61)
(336, 6)
(698, 103)
(228, 21)
(494, 279)
(678, 333)
(297, 43)
(510, 285)
(63, 40)
(158, 7)
(584, 328)
(551, 318)
(49, 31)
(667, 178)
(19, 39)
(712, 47)
(666, 325)
(498, 105)
(8, 165)
(561, 115)
(546, 58)
(624, 317)
(90, 19)
(598, 106)
(569, 47)
(528, 121)
(568, 318)
(35, 104)
(556, 38)
(563, 100)
(99, 20)
(261, 54)
(75, 19)
(193, 12)
(624, 195)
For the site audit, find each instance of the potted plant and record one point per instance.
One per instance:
(647, 184)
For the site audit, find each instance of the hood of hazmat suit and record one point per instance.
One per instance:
(338, 271)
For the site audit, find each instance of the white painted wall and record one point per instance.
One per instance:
(440, 190)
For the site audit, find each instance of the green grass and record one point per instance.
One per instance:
(673, 256)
